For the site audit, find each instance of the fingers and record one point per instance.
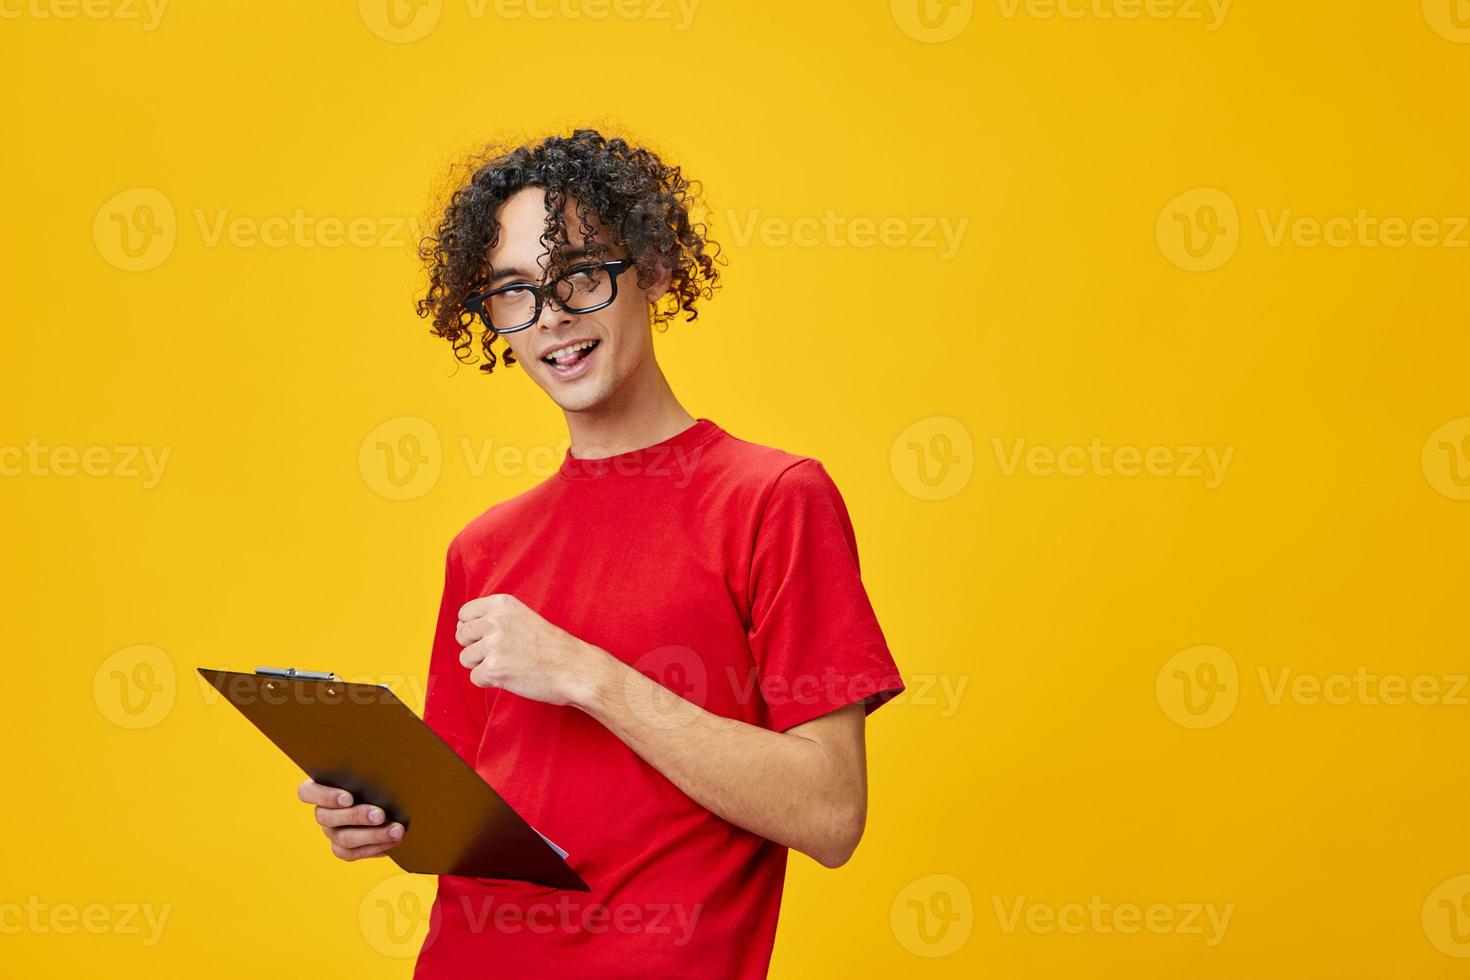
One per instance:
(327, 796)
(468, 631)
(470, 656)
(364, 814)
(358, 853)
(481, 676)
(476, 608)
(349, 838)
(355, 831)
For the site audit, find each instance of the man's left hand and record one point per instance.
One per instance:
(508, 645)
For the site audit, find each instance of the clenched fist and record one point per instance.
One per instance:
(508, 645)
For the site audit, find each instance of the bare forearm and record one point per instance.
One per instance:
(806, 793)
(805, 787)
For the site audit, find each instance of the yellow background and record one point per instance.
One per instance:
(1069, 765)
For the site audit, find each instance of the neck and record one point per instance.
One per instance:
(643, 412)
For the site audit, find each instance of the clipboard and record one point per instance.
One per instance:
(361, 738)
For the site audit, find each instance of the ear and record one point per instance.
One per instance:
(660, 285)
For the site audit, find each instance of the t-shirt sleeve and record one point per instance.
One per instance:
(453, 706)
(816, 641)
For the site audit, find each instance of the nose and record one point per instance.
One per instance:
(552, 315)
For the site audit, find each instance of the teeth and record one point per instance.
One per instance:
(569, 350)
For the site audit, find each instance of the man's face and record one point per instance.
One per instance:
(619, 337)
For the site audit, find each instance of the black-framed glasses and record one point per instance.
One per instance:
(516, 306)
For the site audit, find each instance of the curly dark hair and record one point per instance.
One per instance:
(642, 201)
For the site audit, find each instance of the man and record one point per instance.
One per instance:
(663, 655)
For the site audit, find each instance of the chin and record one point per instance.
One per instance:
(589, 394)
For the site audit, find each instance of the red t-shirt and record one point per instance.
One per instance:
(724, 570)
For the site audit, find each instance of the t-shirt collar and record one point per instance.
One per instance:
(668, 454)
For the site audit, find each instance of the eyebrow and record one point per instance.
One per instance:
(515, 273)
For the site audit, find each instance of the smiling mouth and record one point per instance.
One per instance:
(572, 354)
(571, 362)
